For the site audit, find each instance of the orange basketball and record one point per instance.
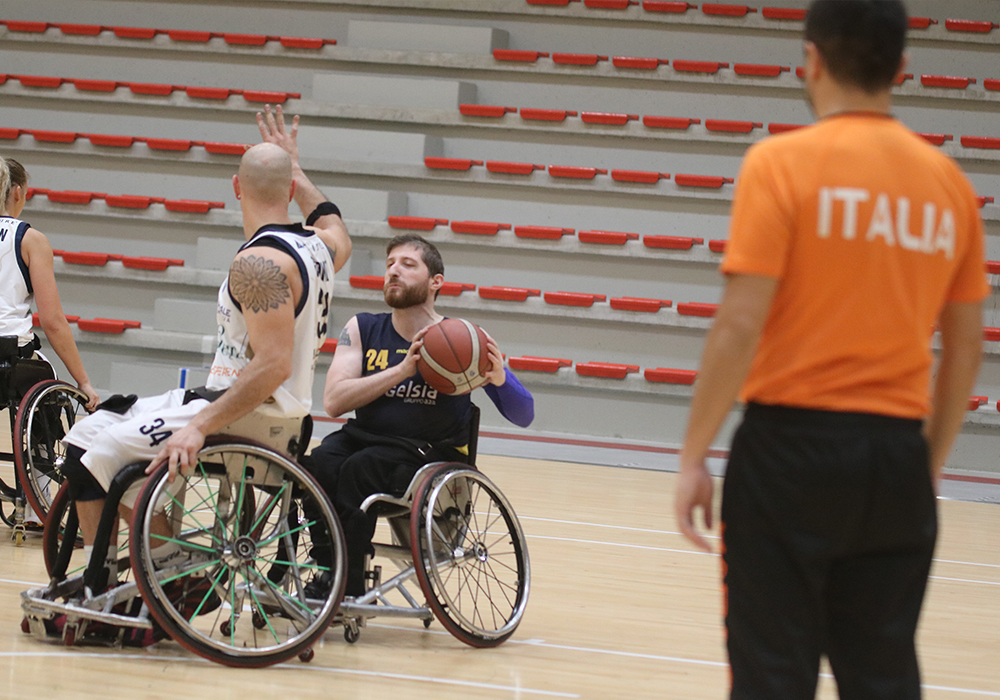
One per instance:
(454, 359)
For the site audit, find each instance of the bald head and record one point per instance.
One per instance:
(266, 174)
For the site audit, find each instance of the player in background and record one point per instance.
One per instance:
(849, 240)
(26, 275)
(400, 422)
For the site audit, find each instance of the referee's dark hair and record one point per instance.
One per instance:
(862, 41)
(428, 251)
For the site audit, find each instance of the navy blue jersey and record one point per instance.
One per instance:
(411, 409)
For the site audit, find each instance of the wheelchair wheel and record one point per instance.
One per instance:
(61, 526)
(237, 519)
(470, 554)
(45, 415)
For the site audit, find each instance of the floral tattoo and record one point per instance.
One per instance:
(258, 283)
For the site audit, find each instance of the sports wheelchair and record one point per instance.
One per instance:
(237, 596)
(41, 409)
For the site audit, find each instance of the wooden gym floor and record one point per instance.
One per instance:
(621, 606)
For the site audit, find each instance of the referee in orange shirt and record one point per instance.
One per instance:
(849, 240)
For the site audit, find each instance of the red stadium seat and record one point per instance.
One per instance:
(789, 13)
(51, 136)
(229, 149)
(191, 206)
(95, 85)
(976, 401)
(147, 263)
(522, 56)
(81, 258)
(167, 144)
(110, 140)
(968, 25)
(614, 119)
(573, 171)
(667, 6)
(671, 242)
(550, 2)
(508, 293)
(129, 201)
(636, 62)
(608, 370)
(731, 125)
(644, 176)
(41, 81)
(450, 163)
(921, 22)
(578, 59)
(106, 325)
(775, 128)
(640, 304)
(553, 233)
(757, 69)
(209, 93)
(607, 237)
(483, 228)
(416, 223)
(671, 376)
(572, 298)
(81, 29)
(991, 84)
(610, 4)
(983, 201)
(699, 66)
(73, 197)
(245, 39)
(189, 35)
(135, 32)
(547, 115)
(991, 334)
(454, 289)
(502, 166)
(668, 122)
(714, 8)
(936, 139)
(329, 345)
(946, 81)
(7, 132)
(531, 363)
(993, 267)
(711, 181)
(367, 281)
(717, 246)
(991, 142)
(484, 110)
(151, 88)
(270, 96)
(29, 27)
(300, 42)
(697, 309)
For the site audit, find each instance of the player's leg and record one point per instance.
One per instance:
(875, 593)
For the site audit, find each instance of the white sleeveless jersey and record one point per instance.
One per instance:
(15, 283)
(294, 397)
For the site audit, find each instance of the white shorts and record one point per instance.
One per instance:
(112, 441)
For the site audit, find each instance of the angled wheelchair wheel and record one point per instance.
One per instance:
(45, 415)
(62, 545)
(235, 593)
(470, 554)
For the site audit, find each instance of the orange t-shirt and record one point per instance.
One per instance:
(870, 231)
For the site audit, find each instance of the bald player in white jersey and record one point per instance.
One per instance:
(272, 322)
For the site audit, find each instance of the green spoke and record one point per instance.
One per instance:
(300, 528)
(270, 508)
(260, 609)
(311, 567)
(183, 543)
(188, 572)
(192, 515)
(211, 493)
(215, 581)
(282, 595)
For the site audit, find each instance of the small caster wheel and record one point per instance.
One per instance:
(25, 625)
(307, 655)
(226, 628)
(258, 620)
(18, 537)
(427, 624)
(69, 635)
(352, 635)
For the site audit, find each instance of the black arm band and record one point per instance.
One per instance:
(322, 209)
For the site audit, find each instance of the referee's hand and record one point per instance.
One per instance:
(694, 490)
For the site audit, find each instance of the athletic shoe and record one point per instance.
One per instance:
(187, 594)
(320, 586)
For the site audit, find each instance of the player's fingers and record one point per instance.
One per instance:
(281, 118)
(157, 461)
(264, 133)
(269, 116)
(295, 127)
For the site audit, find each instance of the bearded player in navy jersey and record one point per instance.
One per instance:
(400, 422)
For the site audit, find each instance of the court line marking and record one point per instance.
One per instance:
(966, 580)
(297, 667)
(706, 536)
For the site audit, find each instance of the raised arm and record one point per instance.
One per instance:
(346, 389)
(328, 224)
(37, 255)
(267, 284)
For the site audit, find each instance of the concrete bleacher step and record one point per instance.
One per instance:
(185, 316)
(391, 91)
(417, 36)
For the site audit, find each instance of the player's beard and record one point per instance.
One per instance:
(404, 297)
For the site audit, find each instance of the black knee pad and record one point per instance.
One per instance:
(82, 484)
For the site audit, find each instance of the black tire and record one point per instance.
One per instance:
(470, 555)
(200, 601)
(45, 415)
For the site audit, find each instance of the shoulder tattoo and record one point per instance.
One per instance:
(345, 338)
(258, 283)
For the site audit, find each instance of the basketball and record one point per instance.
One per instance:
(454, 359)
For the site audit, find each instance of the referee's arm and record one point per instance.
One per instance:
(725, 362)
(961, 354)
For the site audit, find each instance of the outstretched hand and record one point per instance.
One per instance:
(273, 130)
(495, 375)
